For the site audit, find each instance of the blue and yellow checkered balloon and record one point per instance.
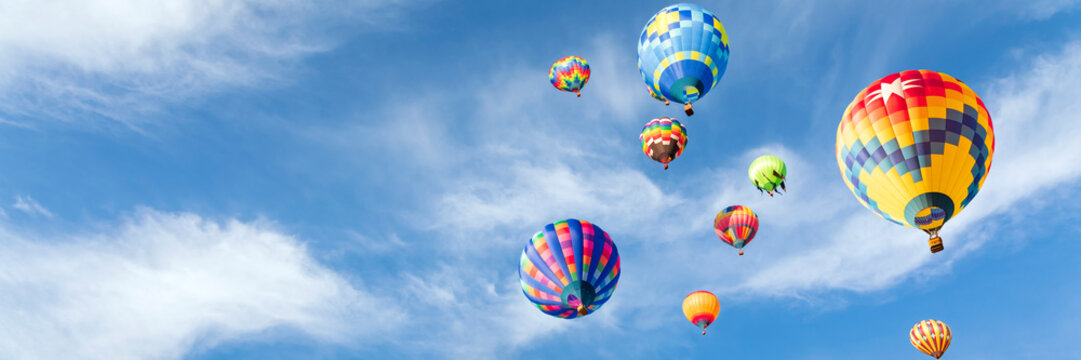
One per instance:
(682, 53)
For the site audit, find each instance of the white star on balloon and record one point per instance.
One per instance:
(897, 87)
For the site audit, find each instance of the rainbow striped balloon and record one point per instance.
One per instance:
(663, 140)
(570, 269)
(569, 74)
(736, 225)
(932, 337)
(915, 147)
(701, 308)
(655, 96)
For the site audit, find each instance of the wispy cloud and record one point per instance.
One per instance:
(162, 284)
(30, 206)
(117, 60)
(1043, 9)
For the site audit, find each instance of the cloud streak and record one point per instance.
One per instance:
(30, 206)
(162, 284)
(105, 61)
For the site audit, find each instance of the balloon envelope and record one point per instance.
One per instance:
(682, 52)
(736, 225)
(932, 337)
(569, 74)
(768, 172)
(701, 308)
(663, 140)
(915, 147)
(569, 269)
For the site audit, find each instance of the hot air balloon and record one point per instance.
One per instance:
(701, 308)
(655, 96)
(569, 74)
(767, 172)
(932, 337)
(736, 225)
(570, 269)
(682, 53)
(915, 148)
(663, 140)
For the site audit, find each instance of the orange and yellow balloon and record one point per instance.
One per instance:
(932, 337)
(701, 308)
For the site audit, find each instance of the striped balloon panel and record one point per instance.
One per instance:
(764, 172)
(663, 131)
(915, 147)
(569, 74)
(932, 337)
(567, 251)
(682, 52)
(654, 94)
(701, 306)
(736, 225)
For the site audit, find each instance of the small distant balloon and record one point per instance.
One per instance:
(767, 172)
(701, 308)
(655, 96)
(663, 140)
(932, 337)
(569, 74)
(736, 225)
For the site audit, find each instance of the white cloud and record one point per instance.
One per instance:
(1043, 9)
(162, 284)
(30, 206)
(80, 61)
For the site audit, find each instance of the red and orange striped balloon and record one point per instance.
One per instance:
(932, 337)
(736, 225)
(701, 308)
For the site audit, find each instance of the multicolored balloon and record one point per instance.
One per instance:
(736, 225)
(663, 140)
(767, 172)
(569, 74)
(932, 337)
(655, 96)
(915, 148)
(570, 269)
(701, 308)
(682, 53)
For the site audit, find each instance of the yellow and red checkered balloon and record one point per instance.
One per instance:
(915, 148)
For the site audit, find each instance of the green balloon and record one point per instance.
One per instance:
(767, 173)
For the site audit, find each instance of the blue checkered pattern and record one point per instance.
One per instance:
(682, 57)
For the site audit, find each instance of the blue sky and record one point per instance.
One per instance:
(355, 180)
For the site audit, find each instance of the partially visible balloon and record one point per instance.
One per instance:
(570, 269)
(682, 53)
(655, 96)
(569, 74)
(768, 172)
(663, 140)
(932, 337)
(701, 308)
(915, 148)
(736, 225)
